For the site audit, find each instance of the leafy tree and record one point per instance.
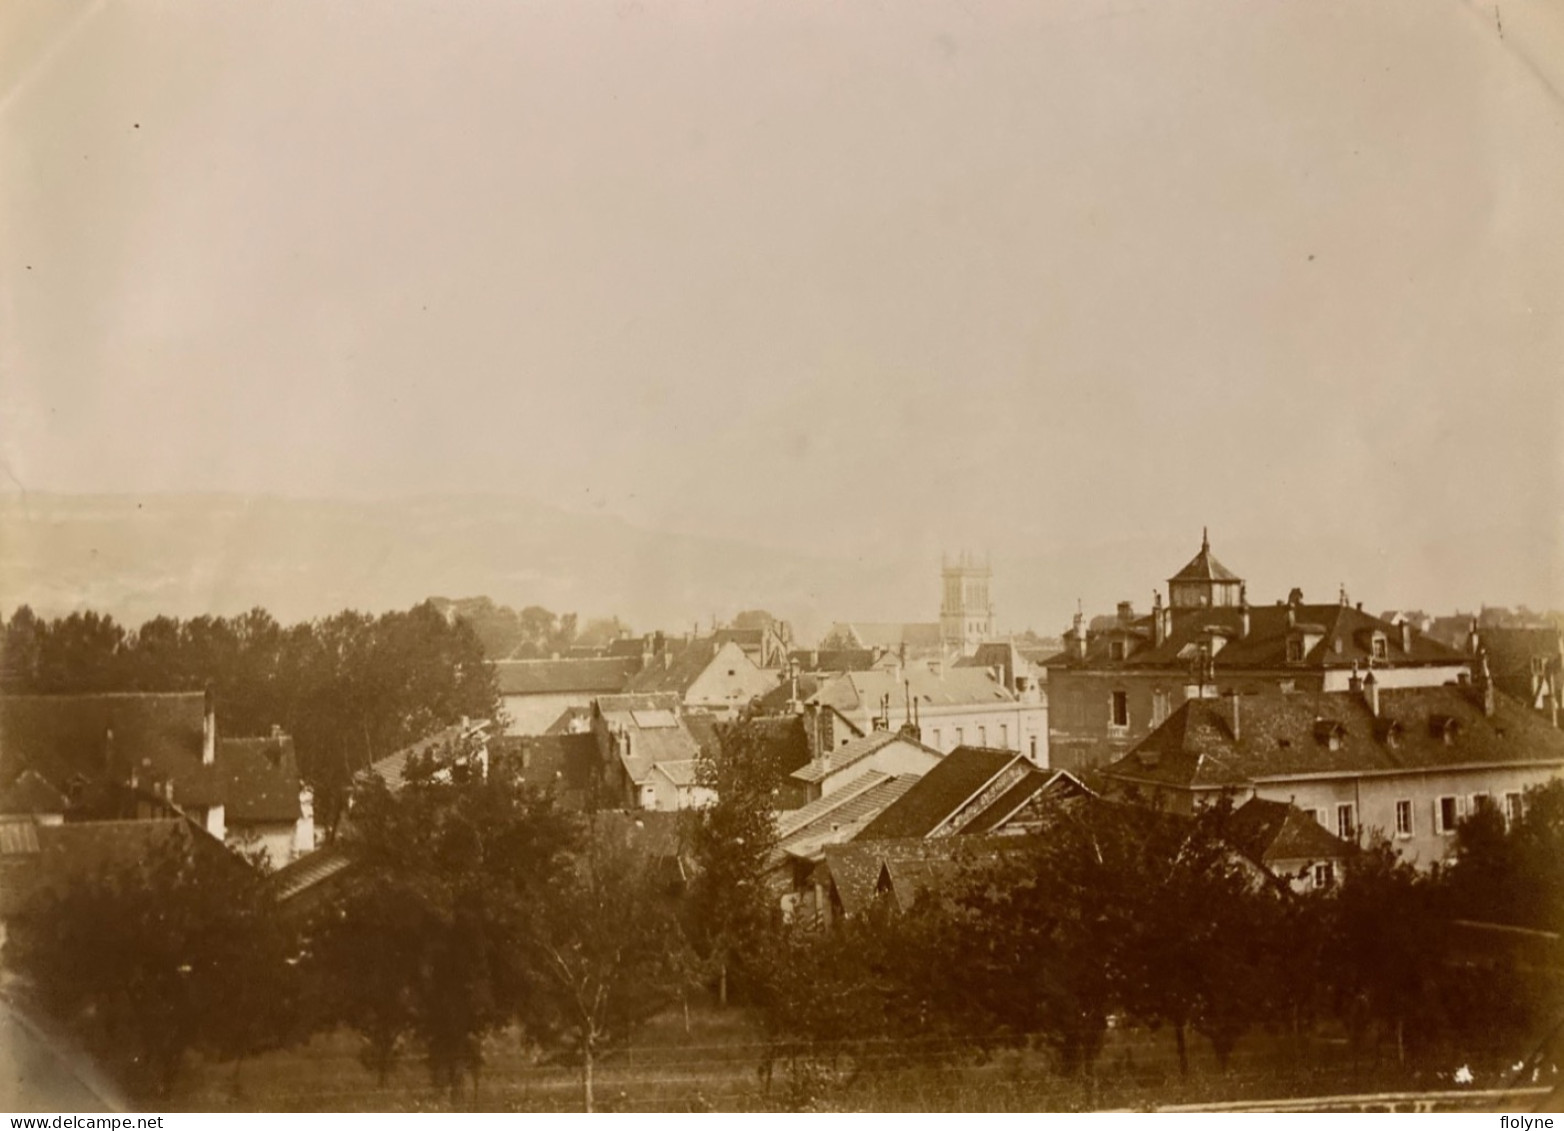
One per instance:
(605, 951)
(729, 908)
(454, 873)
(1512, 873)
(157, 958)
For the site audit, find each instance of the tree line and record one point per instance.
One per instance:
(350, 688)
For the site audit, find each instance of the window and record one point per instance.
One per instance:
(1480, 802)
(1159, 706)
(1345, 825)
(1514, 806)
(1034, 747)
(937, 739)
(1447, 815)
(1116, 650)
(1403, 818)
(1324, 875)
(1377, 647)
(982, 736)
(1121, 708)
(1004, 736)
(961, 736)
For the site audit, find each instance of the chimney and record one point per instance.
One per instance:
(1484, 685)
(1371, 693)
(1292, 616)
(1157, 627)
(1344, 595)
(1078, 635)
(1126, 612)
(1233, 717)
(208, 729)
(1474, 642)
(1243, 611)
(1406, 638)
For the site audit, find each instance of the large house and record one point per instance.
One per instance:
(945, 706)
(710, 675)
(1113, 683)
(1409, 762)
(649, 747)
(896, 753)
(535, 693)
(148, 756)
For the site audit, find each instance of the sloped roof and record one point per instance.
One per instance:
(1204, 567)
(62, 736)
(1345, 637)
(684, 774)
(856, 750)
(910, 866)
(939, 793)
(850, 810)
(679, 671)
(1195, 748)
(854, 691)
(649, 745)
(392, 769)
(31, 793)
(835, 659)
(309, 871)
(1035, 785)
(638, 701)
(558, 677)
(73, 852)
(1268, 831)
(785, 739)
(260, 778)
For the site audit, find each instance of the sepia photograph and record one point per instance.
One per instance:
(736, 556)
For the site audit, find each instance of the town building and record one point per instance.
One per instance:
(707, 675)
(1406, 762)
(946, 706)
(894, 753)
(153, 756)
(1110, 686)
(534, 693)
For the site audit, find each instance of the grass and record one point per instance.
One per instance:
(713, 1065)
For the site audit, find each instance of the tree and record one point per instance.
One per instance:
(176, 951)
(431, 949)
(729, 908)
(1512, 872)
(605, 952)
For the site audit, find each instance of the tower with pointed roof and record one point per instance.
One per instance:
(1204, 582)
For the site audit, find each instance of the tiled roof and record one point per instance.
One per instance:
(1289, 735)
(260, 779)
(569, 718)
(63, 736)
(18, 836)
(31, 793)
(1267, 831)
(650, 701)
(998, 811)
(911, 865)
(392, 769)
(76, 851)
(775, 701)
(854, 691)
(1345, 637)
(559, 677)
(939, 793)
(648, 744)
(678, 672)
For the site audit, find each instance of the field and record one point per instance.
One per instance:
(710, 1061)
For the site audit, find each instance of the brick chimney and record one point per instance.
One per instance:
(208, 728)
(1126, 612)
(1243, 612)
(1158, 629)
(1371, 693)
(1406, 638)
(1474, 643)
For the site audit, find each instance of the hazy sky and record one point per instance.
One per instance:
(865, 277)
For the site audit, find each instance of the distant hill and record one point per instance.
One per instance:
(137, 556)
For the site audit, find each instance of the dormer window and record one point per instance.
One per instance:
(1444, 728)
(1378, 648)
(1328, 733)
(1295, 650)
(1116, 649)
